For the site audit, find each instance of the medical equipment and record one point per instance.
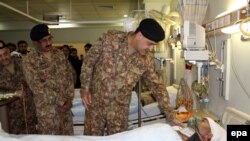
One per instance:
(193, 36)
(193, 42)
(192, 33)
(194, 51)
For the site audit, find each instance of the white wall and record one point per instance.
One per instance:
(239, 77)
(216, 7)
(180, 65)
(71, 35)
(239, 62)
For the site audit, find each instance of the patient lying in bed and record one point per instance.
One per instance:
(207, 129)
(154, 132)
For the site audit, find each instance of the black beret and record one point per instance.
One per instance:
(2, 44)
(88, 45)
(39, 31)
(151, 29)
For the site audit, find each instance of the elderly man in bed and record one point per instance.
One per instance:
(110, 71)
(207, 129)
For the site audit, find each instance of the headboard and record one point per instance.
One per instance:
(234, 116)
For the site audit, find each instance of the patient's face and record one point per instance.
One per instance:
(204, 130)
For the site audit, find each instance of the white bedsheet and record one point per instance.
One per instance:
(154, 132)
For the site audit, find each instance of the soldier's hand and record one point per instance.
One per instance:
(65, 107)
(86, 99)
(177, 122)
(20, 92)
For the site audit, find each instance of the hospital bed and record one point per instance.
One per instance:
(153, 132)
(233, 116)
(148, 112)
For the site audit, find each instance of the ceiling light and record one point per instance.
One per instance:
(64, 24)
(236, 28)
(231, 29)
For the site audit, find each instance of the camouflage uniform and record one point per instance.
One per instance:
(110, 74)
(52, 85)
(17, 116)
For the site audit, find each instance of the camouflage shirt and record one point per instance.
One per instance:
(51, 80)
(110, 73)
(52, 85)
(9, 81)
(18, 117)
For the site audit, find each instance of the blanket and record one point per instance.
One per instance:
(153, 132)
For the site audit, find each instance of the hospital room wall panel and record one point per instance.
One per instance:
(239, 66)
(240, 76)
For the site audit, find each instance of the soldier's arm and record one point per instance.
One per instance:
(70, 72)
(4, 85)
(158, 90)
(68, 86)
(7, 85)
(30, 75)
(88, 65)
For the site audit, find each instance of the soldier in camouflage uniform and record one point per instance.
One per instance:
(21, 113)
(112, 68)
(49, 76)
